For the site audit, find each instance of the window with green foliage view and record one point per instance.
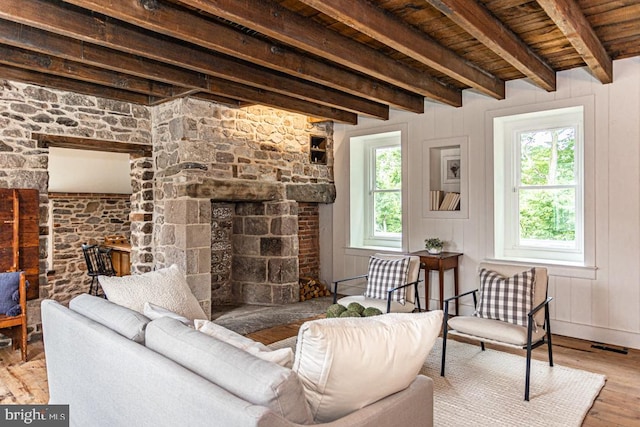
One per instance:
(386, 191)
(539, 185)
(546, 186)
(375, 187)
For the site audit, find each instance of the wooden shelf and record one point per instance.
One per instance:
(318, 150)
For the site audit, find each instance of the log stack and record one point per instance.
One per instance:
(312, 288)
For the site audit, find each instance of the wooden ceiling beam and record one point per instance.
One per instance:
(48, 64)
(568, 17)
(475, 19)
(307, 35)
(379, 25)
(107, 33)
(227, 41)
(215, 86)
(61, 83)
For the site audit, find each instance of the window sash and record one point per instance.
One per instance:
(372, 236)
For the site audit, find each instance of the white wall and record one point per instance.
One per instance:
(605, 307)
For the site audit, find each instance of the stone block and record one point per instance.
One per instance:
(284, 226)
(245, 245)
(250, 209)
(283, 270)
(285, 293)
(253, 293)
(249, 269)
(200, 285)
(256, 226)
(182, 211)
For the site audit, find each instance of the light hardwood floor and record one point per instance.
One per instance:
(617, 405)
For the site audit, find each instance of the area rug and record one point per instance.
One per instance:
(486, 388)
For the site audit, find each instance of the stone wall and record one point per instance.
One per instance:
(309, 240)
(25, 109)
(78, 219)
(206, 152)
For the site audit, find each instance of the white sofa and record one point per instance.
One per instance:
(115, 367)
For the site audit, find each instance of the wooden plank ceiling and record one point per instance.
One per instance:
(328, 59)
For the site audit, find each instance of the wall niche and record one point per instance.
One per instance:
(445, 178)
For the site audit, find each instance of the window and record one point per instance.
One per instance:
(376, 190)
(539, 186)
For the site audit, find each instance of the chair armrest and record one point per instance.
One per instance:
(390, 292)
(446, 302)
(404, 286)
(539, 306)
(362, 276)
(460, 296)
(335, 285)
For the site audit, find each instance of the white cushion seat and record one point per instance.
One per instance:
(491, 330)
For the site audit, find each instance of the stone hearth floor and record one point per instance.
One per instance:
(245, 319)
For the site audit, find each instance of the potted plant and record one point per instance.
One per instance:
(433, 245)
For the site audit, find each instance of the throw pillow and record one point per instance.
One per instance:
(166, 287)
(9, 284)
(153, 312)
(386, 274)
(283, 356)
(507, 299)
(348, 363)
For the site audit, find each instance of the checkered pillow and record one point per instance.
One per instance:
(387, 274)
(506, 299)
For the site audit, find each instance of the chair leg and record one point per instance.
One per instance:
(528, 374)
(23, 343)
(445, 328)
(548, 327)
(93, 281)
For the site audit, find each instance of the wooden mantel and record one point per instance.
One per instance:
(62, 141)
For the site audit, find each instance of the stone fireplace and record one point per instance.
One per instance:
(228, 184)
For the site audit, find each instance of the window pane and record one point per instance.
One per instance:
(387, 214)
(388, 168)
(547, 157)
(547, 215)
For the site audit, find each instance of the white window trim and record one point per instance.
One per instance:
(355, 237)
(588, 169)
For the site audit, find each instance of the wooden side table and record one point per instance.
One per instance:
(440, 262)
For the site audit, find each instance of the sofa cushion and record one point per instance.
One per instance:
(283, 356)
(153, 311)
(252, 379)
(126, 322)
(348, 363)
(507, 299)
(166, 287)
(386, 274)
